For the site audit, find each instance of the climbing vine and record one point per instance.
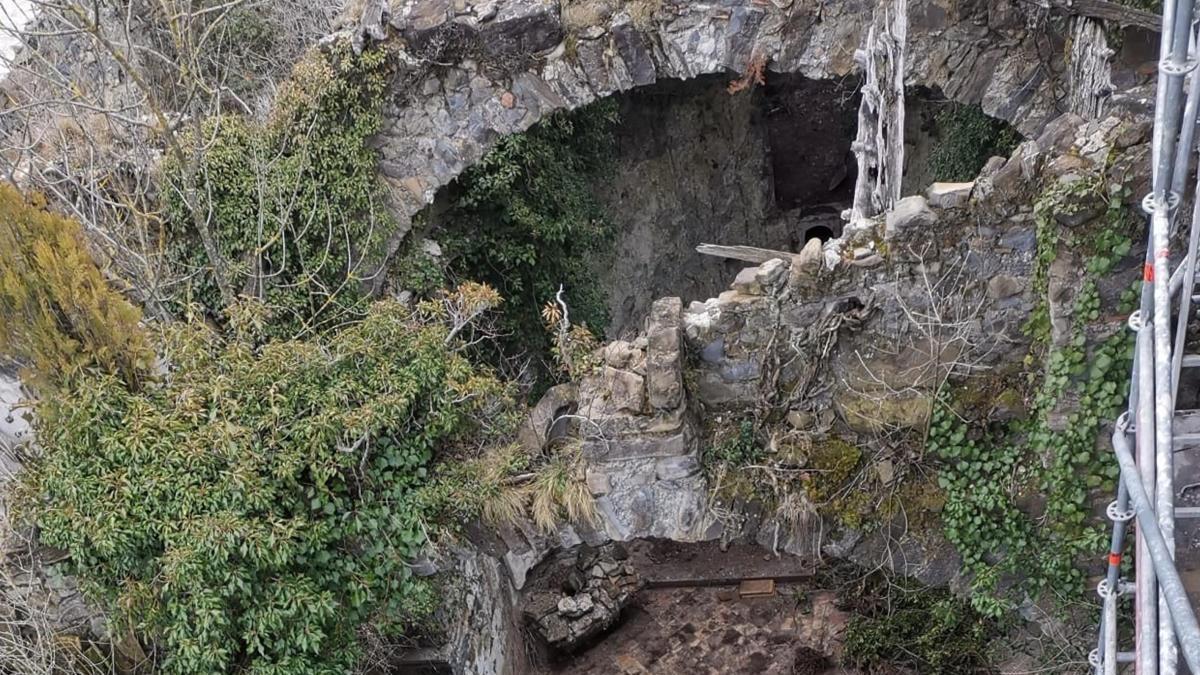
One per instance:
(966, 139)
(995, 475)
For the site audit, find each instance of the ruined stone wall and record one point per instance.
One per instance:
(476, 71)
(842, 342)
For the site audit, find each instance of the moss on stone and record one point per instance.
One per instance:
(833, 461)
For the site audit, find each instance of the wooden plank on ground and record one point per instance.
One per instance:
(756, 588)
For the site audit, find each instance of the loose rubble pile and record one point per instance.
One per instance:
(596, 588)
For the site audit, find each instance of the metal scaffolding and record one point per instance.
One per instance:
(1165, 622)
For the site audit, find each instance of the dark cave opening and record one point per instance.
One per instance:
(948, 141)
(768, 167)
(693, 163)
(818, 232)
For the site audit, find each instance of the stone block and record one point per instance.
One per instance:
(598, 482)
(635, 447)
(747, 283)
(612, 391)
(676, 468)
(949, 195)
(664, 354)
(1004, 286)
(770, 275)
(909, 218)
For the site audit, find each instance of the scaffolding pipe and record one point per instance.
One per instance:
(1110, 632)
(1183, 157)
(1164, 460)
(1187, 128)
(1106, 650)
(1173, 47)
(1166, 126)
(1142, 400)
(1181, 616)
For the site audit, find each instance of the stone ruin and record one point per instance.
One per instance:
(596, 585)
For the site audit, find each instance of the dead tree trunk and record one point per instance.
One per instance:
(1091, 69)
(879, 145)
(1114, 12)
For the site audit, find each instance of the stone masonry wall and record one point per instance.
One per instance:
(476, 70)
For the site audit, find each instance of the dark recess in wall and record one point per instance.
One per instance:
(810, 126)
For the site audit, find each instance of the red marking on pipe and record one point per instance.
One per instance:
(1114, 559)
(1148, 273)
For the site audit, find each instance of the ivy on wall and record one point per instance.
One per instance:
(966, 138)
(989, 472)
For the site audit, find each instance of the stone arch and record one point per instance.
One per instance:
(477, 70)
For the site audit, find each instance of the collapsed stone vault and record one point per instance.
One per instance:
(476, 70)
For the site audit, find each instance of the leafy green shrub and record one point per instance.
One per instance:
(525, 220)
(414, 269)
(58, 315)
(294, 202)
(251, 510)
(929, 631)
(966, 139)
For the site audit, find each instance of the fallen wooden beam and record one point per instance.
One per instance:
(420, 657)
(1105, 11)
(748, 254)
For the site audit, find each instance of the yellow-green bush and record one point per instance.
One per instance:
(58, 315)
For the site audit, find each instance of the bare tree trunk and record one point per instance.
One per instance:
(879, 145)
(1091, 72)
(1105, 11)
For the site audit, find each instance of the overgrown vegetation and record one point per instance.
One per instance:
(989, 472)
(58, 315)
(798, 474)
(929, 631)
(294, 202)
(525, 220)
(250, 510)
(966, 139)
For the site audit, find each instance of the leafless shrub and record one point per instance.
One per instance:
(100, 93)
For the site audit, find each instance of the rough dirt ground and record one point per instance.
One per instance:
(689, 631)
